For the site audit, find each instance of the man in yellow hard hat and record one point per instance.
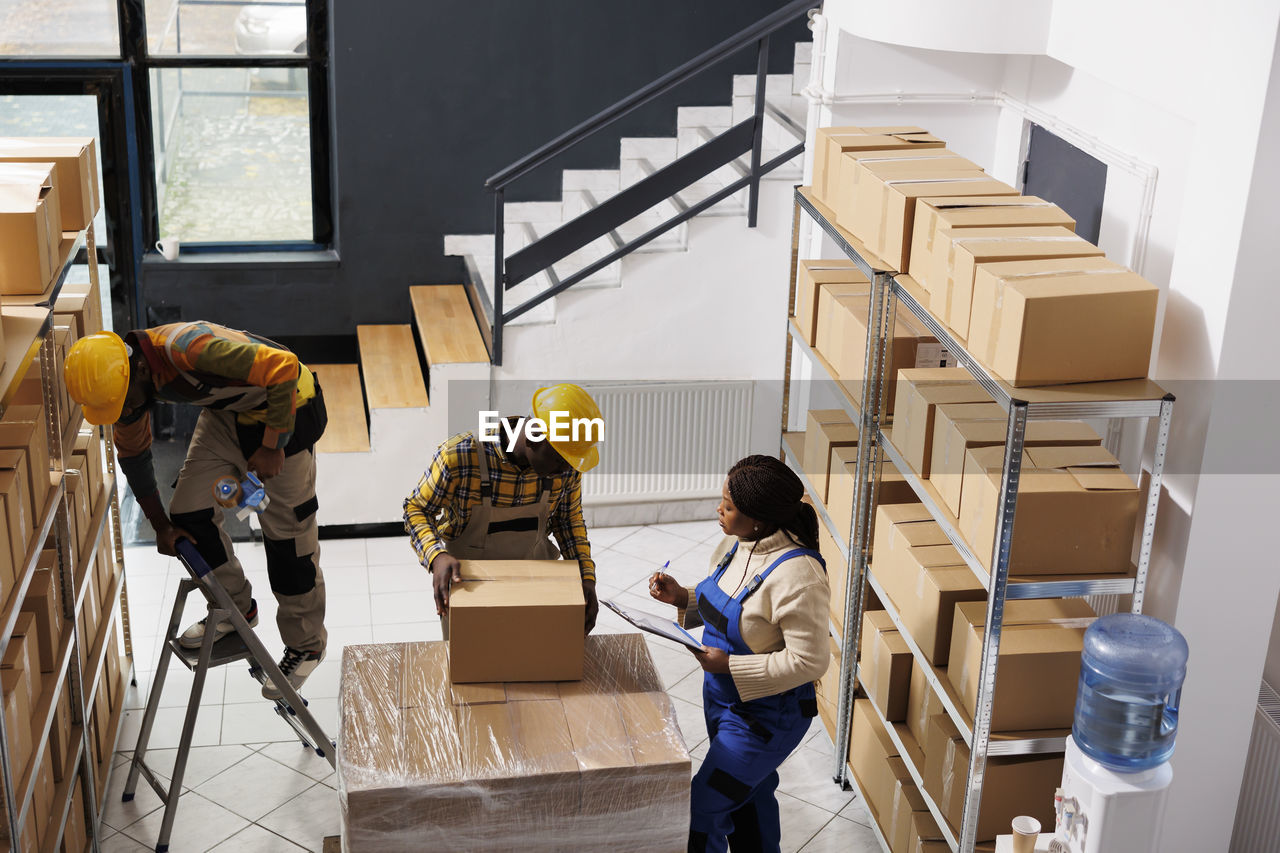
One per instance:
(262, 411)
(498, 496)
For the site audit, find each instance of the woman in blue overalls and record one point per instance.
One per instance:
(764, 612)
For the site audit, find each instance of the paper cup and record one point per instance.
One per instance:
(1026, 831)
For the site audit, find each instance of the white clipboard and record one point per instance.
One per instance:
(656, 625)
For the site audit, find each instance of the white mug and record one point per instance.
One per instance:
(168, 247)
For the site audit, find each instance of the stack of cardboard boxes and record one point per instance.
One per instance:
(426, 762)
(1037, 305)
(1006, 273)
(49, 193)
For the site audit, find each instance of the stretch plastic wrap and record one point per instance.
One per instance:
(423, 764)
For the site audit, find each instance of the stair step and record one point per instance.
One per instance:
(446, 324)
(348, 430)
(389, 364)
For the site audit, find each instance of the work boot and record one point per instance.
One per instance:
(194, 636)
(296, 665)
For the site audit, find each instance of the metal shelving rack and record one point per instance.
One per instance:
(28, 326)
(1104, 400)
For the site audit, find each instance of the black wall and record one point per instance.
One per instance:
(429, 99)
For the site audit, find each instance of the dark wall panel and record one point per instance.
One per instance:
(429, 99)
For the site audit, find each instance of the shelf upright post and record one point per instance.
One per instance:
(997, 586)
(791, 309)
(855, 567)
(1153, 503)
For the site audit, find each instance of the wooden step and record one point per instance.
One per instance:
(348, 429)
(389, 364)
(446, 324)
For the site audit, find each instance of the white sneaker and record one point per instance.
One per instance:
(296, 665)
(194, 636)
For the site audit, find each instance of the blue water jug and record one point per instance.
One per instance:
(1130, 684)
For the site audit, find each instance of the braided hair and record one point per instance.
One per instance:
(767, 490)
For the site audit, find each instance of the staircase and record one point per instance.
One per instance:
(582, 190)
(388, 413)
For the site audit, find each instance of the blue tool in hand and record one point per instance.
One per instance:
(246, 496)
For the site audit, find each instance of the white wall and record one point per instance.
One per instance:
(1183, 91)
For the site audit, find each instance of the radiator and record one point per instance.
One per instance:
(1257, 828)
(669, 441)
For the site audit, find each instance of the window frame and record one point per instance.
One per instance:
(134, 51)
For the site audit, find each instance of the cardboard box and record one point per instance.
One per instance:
(993, 245)
(946, 766)
(89, 616)
(501, 605)
(917, 395)
(60, 745)
(75, 164)
(885, 201)
(78, 509)
(25, 428)
(924, 582)
(913, 346)
(75, 309)
(1077, 511)
(42, 603)
(870, 749)
(811, 276)
(88, 460)
(825, 429)
(42, 799)
(922, 703)
(450, 775)
(1039, 664)
(16, 461)
(832, 142)
(74, 836)
(104, 569)
(14, 499)
(961, 427)
(1051, 326)
(20, 657)
(938, 221)
(115, 689)
(885, 670)
(894, 489)
(29, 231)
(915, 161)
(832, 332)
(17, 719)
(911, 819)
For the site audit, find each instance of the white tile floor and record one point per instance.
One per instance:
(250, 786)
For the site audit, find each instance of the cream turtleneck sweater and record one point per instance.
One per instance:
(784, 622)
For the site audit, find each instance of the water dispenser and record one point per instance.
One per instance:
(1116, 773)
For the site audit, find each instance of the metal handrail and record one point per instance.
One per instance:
(760, 29)
(745, 138)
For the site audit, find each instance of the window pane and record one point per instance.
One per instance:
(233, 154)
(66, 28)
(226, 27)
(57, 115)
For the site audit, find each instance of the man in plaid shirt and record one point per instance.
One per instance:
(480, 501)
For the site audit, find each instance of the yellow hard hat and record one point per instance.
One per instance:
(573, 402)
(97, 374)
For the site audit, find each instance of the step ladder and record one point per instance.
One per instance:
(241, 644)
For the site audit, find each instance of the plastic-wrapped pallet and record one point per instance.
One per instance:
(423, 764)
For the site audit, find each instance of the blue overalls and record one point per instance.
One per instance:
(733, 802)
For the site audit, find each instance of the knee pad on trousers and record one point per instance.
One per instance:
(199, 524)
(289, 573)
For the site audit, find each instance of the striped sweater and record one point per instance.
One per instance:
(208, 365)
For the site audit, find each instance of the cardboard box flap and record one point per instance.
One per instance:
(900, 513)
(952, 578)
(1081, 283)
(983, 201)
(1103, 479)
(1072, 456)
(919, 534)
(533, 593)
(1047, 267)
(518, 569)
(1028, 611)
(938, 556)
(930, 375)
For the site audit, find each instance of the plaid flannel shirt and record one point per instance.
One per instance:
(437, 511)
